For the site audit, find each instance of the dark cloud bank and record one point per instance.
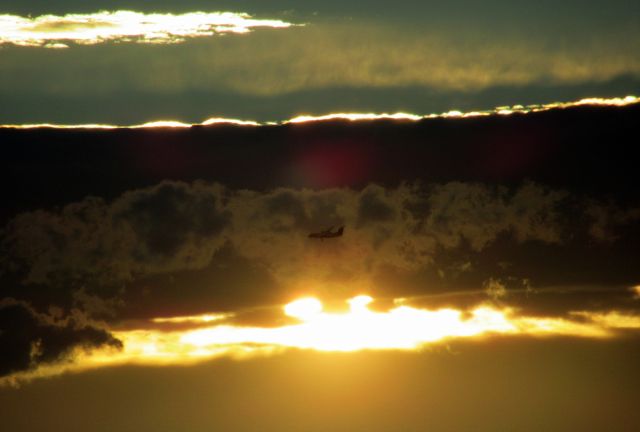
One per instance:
(103, 226)
(29, 339)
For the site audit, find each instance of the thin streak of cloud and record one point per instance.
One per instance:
(352, 117)
(52, 31)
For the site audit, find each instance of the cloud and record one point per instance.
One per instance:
(187, 248)
(403, 228)
(377, 55)
(171, 226)
(51, 31)
(29, 339)
(477, 213)
(352, 117)
(325, 55)
(495, 289)
(177, 227)
(607, 219)
(306, 324)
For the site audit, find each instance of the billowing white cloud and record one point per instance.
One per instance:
(52, 31)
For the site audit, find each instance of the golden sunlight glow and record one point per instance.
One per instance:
(59, 126)
(191, 318)
(162, 124)
(360, 328)
(402, 327)
(149, 125)
(220, 120)
(505, 110)
(52, 31)
(304, 309)
(354, 117)
(612, 319)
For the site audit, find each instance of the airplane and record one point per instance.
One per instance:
(327, 233)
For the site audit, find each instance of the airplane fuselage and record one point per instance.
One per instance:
(323, 236)
(327, 234)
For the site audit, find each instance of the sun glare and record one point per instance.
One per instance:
(402, 327)
(359, 328)
(304, 309)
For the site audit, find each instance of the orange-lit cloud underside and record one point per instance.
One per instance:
(402, 327)
(51, 31)
(516, 109)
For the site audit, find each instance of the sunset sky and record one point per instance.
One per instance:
(80, 65)
(165, 162)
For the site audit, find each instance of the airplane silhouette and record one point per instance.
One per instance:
(327, 233)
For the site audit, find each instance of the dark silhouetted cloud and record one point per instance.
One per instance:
(29, 339)
(173, 228)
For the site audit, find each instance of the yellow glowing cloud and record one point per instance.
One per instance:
(612, 319)
(59, 126)
(354, 117)
(401, 328)
(52, 31)
(304, 309)
(162, 124)
(149, 125)
(220, 120)
(191, 318)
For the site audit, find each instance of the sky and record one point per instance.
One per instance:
(419, 57)
(350, 216)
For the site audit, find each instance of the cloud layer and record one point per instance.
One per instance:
(326, 55)
(172, 226)
(176, 226)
